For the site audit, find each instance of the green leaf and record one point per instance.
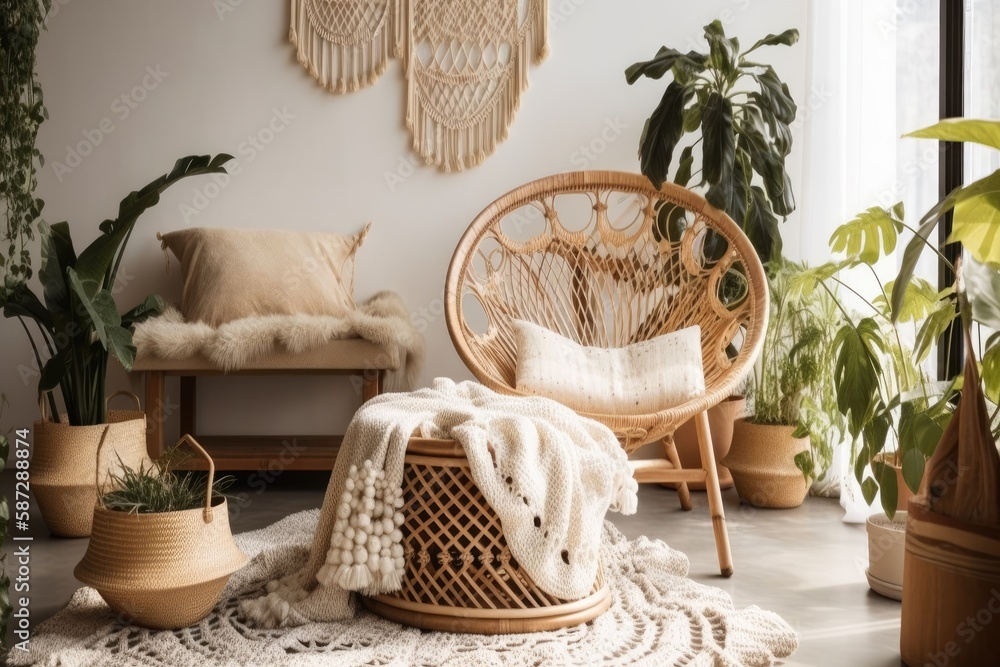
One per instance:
(982, 284)
(719, 150)
(921, 299)
(869, 489)
(102, 315)
(662, 132)
(804, 462)
(857, 371)
(871, 235)
(761, 226)
(916, 245)
(913, 469)
(723, 52)
(683, 175)
(692, 118)
(991, 373)
(52, 374)
(888, 489)
(4, 450)
(965, 130)
(153, 305)
(771, 167)
(976, 225)
(22, 302)
(661, 63)
(57, 256)
(930, 332)
(786, 38)
(774, 96)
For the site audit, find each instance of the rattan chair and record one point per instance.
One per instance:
(603, 258)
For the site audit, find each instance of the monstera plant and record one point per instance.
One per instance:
(76, 320)
(741, 113)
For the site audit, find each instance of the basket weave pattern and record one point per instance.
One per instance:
(458, 563)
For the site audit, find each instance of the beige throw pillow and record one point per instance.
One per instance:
(641, 378)
(230, 274)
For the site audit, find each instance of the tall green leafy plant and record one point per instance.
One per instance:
(21, 112)
(77, 321)
(895, 413)
(792, 384)
(741, 112)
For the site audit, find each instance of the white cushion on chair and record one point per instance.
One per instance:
(638, 379)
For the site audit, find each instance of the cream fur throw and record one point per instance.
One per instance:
(383, 319)
(549, 474)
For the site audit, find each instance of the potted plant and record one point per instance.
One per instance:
(784, 443)
(745, 137)
(77, 327)
(161, 550)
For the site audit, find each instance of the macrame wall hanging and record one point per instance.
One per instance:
(466, 63)
(345, 44)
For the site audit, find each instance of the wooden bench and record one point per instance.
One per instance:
(353, 357)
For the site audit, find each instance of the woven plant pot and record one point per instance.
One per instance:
(460, 575)
(762, 462)
(62, 465)
(166, 570)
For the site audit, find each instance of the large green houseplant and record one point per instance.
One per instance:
(77, 323)
(74, 328)
(894, 412)
(741, 113)
(784, 443)
(21, 112)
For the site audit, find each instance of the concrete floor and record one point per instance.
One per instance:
(804, 564)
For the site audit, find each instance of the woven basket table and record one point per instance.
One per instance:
(460, 575)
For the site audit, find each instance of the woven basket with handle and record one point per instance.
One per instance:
(62, 464)
(163, 570)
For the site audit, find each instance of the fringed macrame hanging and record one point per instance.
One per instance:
(466, 67)
(345, 44)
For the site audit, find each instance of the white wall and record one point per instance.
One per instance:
(223, 75)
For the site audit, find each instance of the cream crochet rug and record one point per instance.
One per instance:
(658, 618)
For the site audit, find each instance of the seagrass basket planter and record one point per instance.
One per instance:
(62, 464)
(460, 575)
(162, 570)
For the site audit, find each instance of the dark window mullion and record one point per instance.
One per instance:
(951, 165)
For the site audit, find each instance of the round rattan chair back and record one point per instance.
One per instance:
(603, 258)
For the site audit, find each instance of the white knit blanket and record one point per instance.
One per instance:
(383, 319)
(549, 474)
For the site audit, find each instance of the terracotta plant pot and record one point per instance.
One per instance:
(762, 462)
(886, 548)
(720, 419)
(63, 461)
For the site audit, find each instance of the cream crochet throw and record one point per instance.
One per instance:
(383, 319)
(531, 458)
(658, 618)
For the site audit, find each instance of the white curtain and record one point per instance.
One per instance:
(873, 76)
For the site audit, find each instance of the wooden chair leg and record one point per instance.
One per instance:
(714, 495)
(683, 493)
